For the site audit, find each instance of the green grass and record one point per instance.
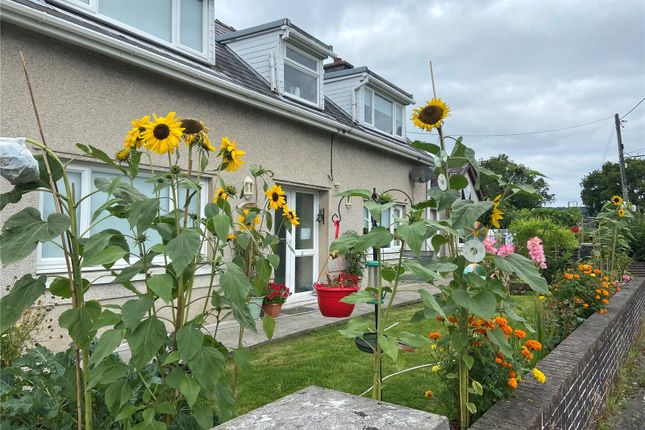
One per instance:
(327, 359)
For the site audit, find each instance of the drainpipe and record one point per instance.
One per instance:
(362, 82)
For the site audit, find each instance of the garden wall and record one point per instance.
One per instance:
(579, 371)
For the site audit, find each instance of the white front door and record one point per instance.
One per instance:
(298, 249)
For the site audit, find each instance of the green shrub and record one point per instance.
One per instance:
(559, 242)
(564, 217)
(637, 241)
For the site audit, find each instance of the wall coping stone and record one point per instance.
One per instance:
(316, 408)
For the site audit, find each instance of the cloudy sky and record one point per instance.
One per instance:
(504, 67)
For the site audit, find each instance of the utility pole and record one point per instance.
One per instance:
(621, 159)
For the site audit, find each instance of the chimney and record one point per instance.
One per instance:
(338, 64)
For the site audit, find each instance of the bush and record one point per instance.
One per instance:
(23, 334)
(637, 241)
(564, 217)
(559, 242)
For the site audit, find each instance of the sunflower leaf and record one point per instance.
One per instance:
(100, 155)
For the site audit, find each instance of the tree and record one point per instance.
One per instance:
(518, 174)
(599, 186)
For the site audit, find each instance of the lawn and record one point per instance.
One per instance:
(326, 359)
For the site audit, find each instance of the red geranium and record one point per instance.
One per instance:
(276, 294)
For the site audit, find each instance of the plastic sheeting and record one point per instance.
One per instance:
(17, 164)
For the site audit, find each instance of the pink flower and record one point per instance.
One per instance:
(489, 244)
(536, 251)
(505, 250)
(502, 251)
(627, 278)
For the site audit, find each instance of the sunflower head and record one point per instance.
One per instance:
(290, 215)
(220, 194)
(620, 212)
(231, 156)
(494, 215)
(123, 154)
(275, 195)
(431, 115)
(162, 135)
(248, 224)
(134, 138)
(617, 200)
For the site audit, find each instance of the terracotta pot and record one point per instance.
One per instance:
(329, 301)
(272, 309)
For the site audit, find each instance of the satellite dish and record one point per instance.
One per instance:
(421, 174)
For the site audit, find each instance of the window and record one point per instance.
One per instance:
(301, 75)
(382, 114)
(388, 220)
(50, 256)
(179, 24)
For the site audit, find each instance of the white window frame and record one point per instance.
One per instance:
(57, 264)
(395, 105)
(174, 43)
(393, 247)
(316, 74)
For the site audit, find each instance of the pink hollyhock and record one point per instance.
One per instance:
(505, 250)
(536, 251)
(502, 251)
(489, 245)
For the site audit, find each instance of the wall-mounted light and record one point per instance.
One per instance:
(348, 201)
(249, 187)
(320, 218)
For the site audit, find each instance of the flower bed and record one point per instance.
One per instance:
(580, 371)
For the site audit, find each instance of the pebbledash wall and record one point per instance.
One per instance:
(579, 372)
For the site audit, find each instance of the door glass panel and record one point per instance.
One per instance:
(281, 271)
(305, 231)
(304, 273)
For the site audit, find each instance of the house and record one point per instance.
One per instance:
(319, 123)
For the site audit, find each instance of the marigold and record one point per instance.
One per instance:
(452, 319)
(597, 271)
(539, 375)
(598, 291)
(428, 394)
(436, 368)
(576, 276)
(507, 329)
(603, 311)
(498, 360)
(568, 276)
(511, 374)
(541, 298)
(520, 334)
(507, 365)
(585, 305)
(501, 321)
(434, 335)
(512, 382)
(605, 301)
(597, 297)
(533, 344)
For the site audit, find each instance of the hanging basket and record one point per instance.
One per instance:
(329, 301)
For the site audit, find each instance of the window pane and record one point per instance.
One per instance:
(300, 84)
(194, 197)
(190, 23)
(399, 120)
(302, 59)
(385, 219)
(305, 231)
(368, 106)
(304, 273)
(382, 114)
(279, 275)
(367, 221)
(152, 16)
(49, 250)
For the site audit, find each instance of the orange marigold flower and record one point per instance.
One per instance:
(597, 271)
(481, 331)
(603, 311)
(434, 335)
(605, 278)
(507, 329)
(597, 297)
(605, 293)
(585, 305)
(576, 276)
(507, 365)
(490, 325)
(498, 360)
(428, 394)
(598, 291)
(476, 344)
(501, 321)
(533, 344)
(452, 319)
(568, 276)
(499, 354)
(520, 334)
(605, 301)
(511, 374)
(512, 382)
(617, 288)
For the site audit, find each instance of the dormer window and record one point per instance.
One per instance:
(179, 24)
(302, 74)
(382, 113)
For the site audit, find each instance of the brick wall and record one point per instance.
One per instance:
(579, 372)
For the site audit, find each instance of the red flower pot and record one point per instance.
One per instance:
(329, 301)
(272, 309)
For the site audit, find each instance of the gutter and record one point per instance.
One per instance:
(41, 22)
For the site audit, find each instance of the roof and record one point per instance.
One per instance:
(284, 22)
(365, 69)
(228, 66)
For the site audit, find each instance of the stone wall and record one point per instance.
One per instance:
(579, 372)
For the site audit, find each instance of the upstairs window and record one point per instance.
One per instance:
(382, 113)
(301, 75)
(179, 24)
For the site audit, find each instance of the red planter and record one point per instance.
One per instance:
(329, 301)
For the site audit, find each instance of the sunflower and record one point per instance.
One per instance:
(617, 200)
(196, 133)
(620, 212)
(162, 135)
(248, 224)
(276, 197)
(231, 156)
(431, 115)
(123, 154)
(134, 137)
(290, 215)
(496, 214)
(220, 194)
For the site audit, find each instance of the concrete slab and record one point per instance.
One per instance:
(316, 408)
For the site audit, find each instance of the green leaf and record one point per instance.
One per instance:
(166, 407)
(413, 340)
(162, 286)
(190, 389)
(498, 337)
(355, 328)
(482, 305)
(109, 341)
(189, 341)
(466, 212)
(413, 234)
(477, 388)
(430, 302)
(471, 408)
(360, 296)
(509, 310)
(236, 287)
(116, 396)
(183, 248)
(425, 146)
(525, 269)
(106, 257)
(390, 346)
(107, 374)
(442, 265)
(366, 194)
(378, 237)
(23, 294)
(60, 287)
(469, 361)
(268, 325)
(134, 310)
(203, 414)
(438, 240)
(274, 260)
(142, 213)
(376, 209)
(221, 223)
(173, 357)
(458, 182)
(425, 274)
(145, 341)
(100, 155)
(225, 401)
(443, 199)
(242, 357)
(207, 367)
(456, 162)
(459, 341)
(80, 322)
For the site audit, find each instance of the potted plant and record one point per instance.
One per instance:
(275, 296)
(330, 294)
